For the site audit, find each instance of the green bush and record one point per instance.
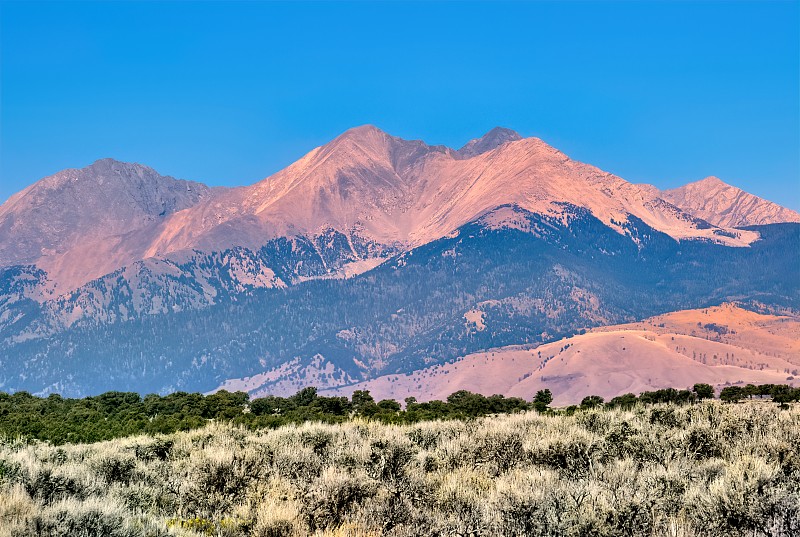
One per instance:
(91, 519)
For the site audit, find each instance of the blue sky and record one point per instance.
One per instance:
(228, 93)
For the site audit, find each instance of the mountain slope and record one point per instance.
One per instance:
(104, 199)
(194, 280)
(395, 191)
(365, 184)
(369, 256)
(532, 279)
(724, 205)
(732, 346)
(76, 209)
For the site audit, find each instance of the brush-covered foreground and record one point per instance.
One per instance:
(708, 469)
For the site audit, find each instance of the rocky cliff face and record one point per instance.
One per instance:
(721, 204)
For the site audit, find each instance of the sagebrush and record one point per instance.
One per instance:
(706, 469)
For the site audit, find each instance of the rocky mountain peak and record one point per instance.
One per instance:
(489, 141)
(83, 223)
(360, 134)
(74, 206)
(721, 204)
(362, 130)
(710, 181)
(111, 167)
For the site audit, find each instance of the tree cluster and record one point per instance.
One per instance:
(117, 414)
(780, 393)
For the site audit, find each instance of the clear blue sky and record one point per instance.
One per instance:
(228, 93)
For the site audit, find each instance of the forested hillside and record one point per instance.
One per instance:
(531, 285)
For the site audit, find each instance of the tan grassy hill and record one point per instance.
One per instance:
(729, 346)
(770, 335)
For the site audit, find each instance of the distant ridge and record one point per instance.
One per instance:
(105, 199)
(723, 205)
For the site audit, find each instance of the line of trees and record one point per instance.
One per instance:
(779, 393)
(117, 414)
(698, 392)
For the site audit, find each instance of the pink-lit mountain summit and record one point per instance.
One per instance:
(81, 224)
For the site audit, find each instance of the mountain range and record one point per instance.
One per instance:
(369, 256)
